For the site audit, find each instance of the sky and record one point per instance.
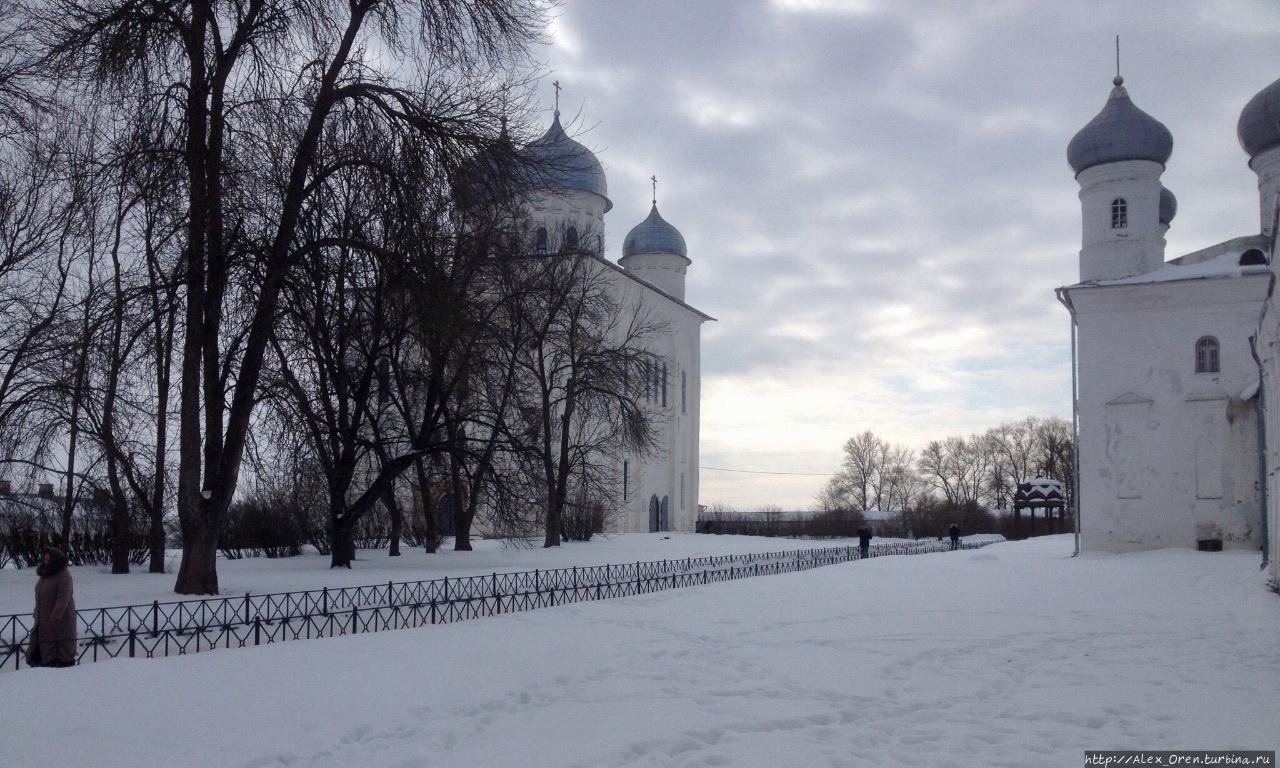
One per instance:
(876, 198)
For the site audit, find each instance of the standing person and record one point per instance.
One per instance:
(53, 636)
(954, 530)
(864, 541)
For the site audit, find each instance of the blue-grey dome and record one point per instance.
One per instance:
(1258, 129)
(1168, 206)
(654, 235)
(1121, 131)
(560, 163)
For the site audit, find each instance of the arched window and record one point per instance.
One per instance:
(540, 240)
(1207, 358)
(684, 392)
(571, 238)
(626, 471)
(1119, 213)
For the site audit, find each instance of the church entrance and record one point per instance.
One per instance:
(655, 518)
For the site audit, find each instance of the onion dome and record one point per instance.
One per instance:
(1168, 206)
(488, 176)
(1259, 126)
(562, 164)
(654, 235)
(1121, 131)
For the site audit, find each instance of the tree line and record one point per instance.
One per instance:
(960, 474)
(275, 254)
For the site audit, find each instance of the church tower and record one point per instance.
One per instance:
(654, 251)
(1118, 159)
(570, 194)
(1259, 134)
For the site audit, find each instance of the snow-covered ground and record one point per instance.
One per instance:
(1016, 654)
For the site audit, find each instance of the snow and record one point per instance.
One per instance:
(1014, 654)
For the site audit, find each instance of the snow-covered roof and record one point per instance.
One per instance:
(1216, 262)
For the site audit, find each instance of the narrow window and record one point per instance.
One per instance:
(1119, 213)
(664, 385)
(625, 473)
(540, 240)
(682, 490)
(684, 392)
(648, 382)
(571, 238)
(1207, 358)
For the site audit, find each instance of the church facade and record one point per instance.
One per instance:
(1176, 362)
(658, 490)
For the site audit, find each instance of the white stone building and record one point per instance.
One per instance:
(659, 491)
(1177, 444)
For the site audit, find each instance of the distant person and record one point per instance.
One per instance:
(864, 541)
(954, 530)
(53, 636)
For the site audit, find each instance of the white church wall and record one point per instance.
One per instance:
(1167, 455)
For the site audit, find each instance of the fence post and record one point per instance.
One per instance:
(497, 598)
(324, 605)
(355, 619)
(257, 630)
(537, 583)
(246, 607)
(155, 617)
(133, 637)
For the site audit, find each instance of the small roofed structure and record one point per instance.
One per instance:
(1039, 493)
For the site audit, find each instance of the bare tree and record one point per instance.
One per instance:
(587, 340)
(263, 79)
(875, 474)
(957, 468)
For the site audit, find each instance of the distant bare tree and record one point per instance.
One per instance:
(875, 474)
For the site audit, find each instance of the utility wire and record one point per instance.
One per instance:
(762, 472)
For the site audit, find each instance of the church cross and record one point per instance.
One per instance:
(654, 179)
(557, 85)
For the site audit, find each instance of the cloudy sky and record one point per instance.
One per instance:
(876, 198)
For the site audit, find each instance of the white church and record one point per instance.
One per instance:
(659, 490)
(1177, 362)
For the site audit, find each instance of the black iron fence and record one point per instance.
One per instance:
(192, 626)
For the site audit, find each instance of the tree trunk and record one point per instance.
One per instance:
(121, 536)
(461, 525)
(397, 520)
(198, 570)
(428, 512)
(344, 544)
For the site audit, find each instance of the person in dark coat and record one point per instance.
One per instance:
(954, 530)
(864, 540)
(53, 636)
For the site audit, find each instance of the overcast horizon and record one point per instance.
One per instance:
(876, 198)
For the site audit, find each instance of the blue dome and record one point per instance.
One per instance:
(1258, 129)
(1121, 131)
(561, 164)
(654, 235)
(1168, 206)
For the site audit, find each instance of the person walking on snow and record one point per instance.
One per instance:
(864, 541)
(53, 636)
(954, 530)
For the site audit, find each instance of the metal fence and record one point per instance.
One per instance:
(192, 626)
